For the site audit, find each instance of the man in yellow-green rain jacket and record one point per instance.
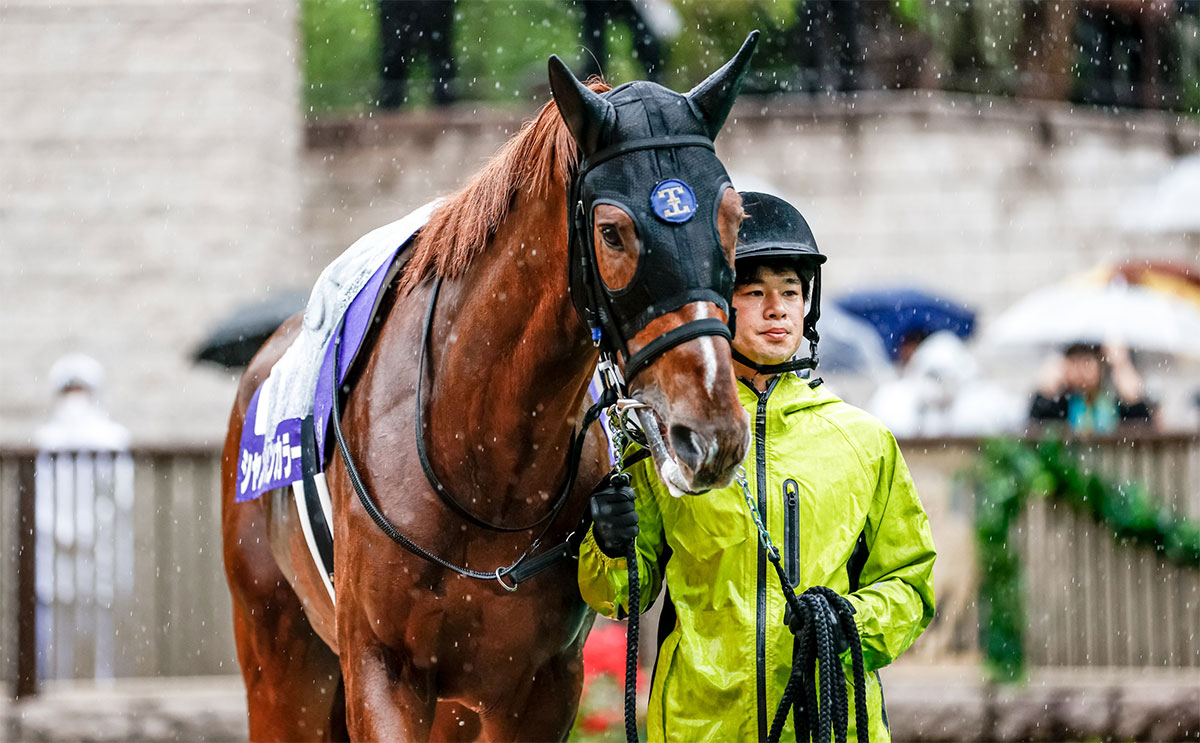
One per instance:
(831, 487)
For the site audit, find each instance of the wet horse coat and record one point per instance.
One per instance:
(412, 651)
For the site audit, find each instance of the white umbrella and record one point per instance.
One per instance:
(849, 343)
(1170, 204)
(1062, 314)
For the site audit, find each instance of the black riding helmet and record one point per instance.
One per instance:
(774, 229)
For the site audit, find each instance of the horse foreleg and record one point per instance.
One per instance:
(541, 707)
(387, 697)
(291, 675)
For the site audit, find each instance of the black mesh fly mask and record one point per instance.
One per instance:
(649, 151)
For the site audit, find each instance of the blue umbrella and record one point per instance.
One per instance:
(896, 313)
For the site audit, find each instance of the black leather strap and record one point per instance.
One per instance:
(672, 338)
(787, 366)
(423, 455)
(574, 454)
(321, 530)
(649, 143)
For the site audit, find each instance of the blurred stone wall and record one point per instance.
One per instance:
(149, 154)
(981, 201)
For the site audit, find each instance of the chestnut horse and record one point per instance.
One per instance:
(412, 650)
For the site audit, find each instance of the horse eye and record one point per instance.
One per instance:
(611, 237)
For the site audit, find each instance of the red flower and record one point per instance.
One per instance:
(600, 721)
(604, 652)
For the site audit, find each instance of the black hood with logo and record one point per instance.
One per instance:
(649, 151)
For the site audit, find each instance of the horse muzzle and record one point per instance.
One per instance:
(692, 462)
(694, 425)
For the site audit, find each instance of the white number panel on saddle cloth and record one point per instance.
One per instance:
(300, 384)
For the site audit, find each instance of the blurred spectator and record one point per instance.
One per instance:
(942, 393)
(1127, 43)
(908, 346)
(650, 23)
(1046, 50)
(77, 421)
(408, 28)
(84, 525)
(1093, 388)
(830, 50)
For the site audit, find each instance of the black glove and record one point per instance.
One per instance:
(614, 518)
(798, 624)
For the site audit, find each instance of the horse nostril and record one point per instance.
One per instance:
(691, 448)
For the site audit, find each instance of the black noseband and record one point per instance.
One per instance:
(672, 338)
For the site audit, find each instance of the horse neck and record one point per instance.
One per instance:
(511, 367)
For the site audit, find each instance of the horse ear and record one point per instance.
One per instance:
(713, 98)
(584, 111)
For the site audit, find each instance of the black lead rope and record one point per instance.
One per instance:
(631, 645)
(822, 712)
(818, 608)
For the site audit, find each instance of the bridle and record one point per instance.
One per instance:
(594, 301)
(607, 334)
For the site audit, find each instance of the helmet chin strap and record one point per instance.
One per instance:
(787, 366)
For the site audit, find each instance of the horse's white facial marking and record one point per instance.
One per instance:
(708, 354)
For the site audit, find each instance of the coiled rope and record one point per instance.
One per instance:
(816, 668)
(823, 712)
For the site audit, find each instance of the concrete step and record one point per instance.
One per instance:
(957, 703)
(926, 704)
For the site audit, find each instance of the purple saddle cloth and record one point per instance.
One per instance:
(300, 385)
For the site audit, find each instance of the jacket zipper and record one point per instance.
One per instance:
(791, 530)
(760, 641)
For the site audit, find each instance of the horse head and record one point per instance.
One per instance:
(653, 222)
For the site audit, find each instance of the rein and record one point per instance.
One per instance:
(427, 466)
(525, 566)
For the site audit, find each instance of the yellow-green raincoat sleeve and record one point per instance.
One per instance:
(895, 601)
(603, 580)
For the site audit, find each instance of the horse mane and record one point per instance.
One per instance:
(541, 156)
